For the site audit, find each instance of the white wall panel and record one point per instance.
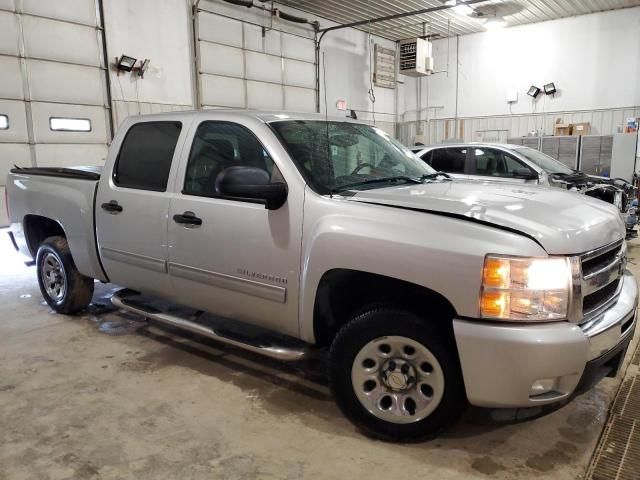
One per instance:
(62, 41)
(215, 28)
(8, 33)
(222, 91)
(64, 155)
(269, 43)
(154, 29)
(7, 4)
(221, 60)
(299, 74)
(11, 78)
(299, 99)
(297, 48)
(266, 68)
(80, 11)
(41, 112)
(17, 131)
(59, 82)
(13, 154)
(264, 96)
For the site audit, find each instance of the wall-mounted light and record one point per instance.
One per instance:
(4, 122)
(533, 91)
(125, 63)
(550, 88)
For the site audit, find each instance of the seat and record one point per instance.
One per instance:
(491, 166)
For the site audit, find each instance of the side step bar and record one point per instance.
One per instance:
(279, 352)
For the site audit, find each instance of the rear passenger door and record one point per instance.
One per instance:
(133, 203)
(227, 255)
(451, 160)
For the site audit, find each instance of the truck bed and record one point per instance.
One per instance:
(65, 195)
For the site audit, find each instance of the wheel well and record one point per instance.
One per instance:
(343, 293)
(37, 229)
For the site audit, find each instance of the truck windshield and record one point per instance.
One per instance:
(336, 156)
(545, 162)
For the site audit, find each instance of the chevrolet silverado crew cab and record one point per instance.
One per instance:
(520, 164)
(288, 234)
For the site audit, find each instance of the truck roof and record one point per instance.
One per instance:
(264, 116)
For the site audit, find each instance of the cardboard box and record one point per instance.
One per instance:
(581, 128)
(562, 129)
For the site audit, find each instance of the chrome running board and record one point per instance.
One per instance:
(122, 299)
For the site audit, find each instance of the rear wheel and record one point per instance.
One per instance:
(395, 376)
(63, 287)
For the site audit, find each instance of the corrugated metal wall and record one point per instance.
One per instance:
(499, 128)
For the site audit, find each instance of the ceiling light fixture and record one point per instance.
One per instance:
(495, 23)
(463, 9)
(550, 88)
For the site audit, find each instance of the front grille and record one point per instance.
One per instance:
(602, 271)
(593, 264)
(592, 301)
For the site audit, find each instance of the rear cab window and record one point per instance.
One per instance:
(145, 157)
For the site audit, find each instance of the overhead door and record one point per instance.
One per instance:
(53, 88)
(243, 65)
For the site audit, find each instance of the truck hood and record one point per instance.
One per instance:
(562, 222)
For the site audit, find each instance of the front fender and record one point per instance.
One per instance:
(443, 254)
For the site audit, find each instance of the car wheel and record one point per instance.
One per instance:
(63, 287)
(395, 375)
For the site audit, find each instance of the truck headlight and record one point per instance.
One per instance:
(525, 289)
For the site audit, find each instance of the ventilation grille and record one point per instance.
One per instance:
(408, 55)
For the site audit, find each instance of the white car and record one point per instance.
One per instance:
(503, 163)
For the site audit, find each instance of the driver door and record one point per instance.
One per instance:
(238, 260)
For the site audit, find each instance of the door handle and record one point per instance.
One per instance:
(187, 218)
(112, 207)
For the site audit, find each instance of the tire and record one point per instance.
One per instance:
(432, 380)
(64, 288)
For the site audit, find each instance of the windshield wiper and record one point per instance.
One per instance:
(435, 175)
(396, 178)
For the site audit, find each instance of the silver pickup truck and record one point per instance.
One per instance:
(327, 235)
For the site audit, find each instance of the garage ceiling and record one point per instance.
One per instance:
(528, 11)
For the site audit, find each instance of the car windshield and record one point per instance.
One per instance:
(334, 156)
(545, 162)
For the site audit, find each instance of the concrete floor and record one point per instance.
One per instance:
(108, 396)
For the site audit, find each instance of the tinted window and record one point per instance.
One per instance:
(220, 145)
(427, 157)
(495, 163)
(449, 160)
(145, 157)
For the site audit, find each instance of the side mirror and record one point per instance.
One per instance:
(251, 183)
(525, 174)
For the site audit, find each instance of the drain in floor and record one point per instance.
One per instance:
(617, 456)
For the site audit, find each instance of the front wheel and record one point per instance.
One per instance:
(63, 287)
(395, 376)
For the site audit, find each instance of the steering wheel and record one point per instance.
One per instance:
(361, 166)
